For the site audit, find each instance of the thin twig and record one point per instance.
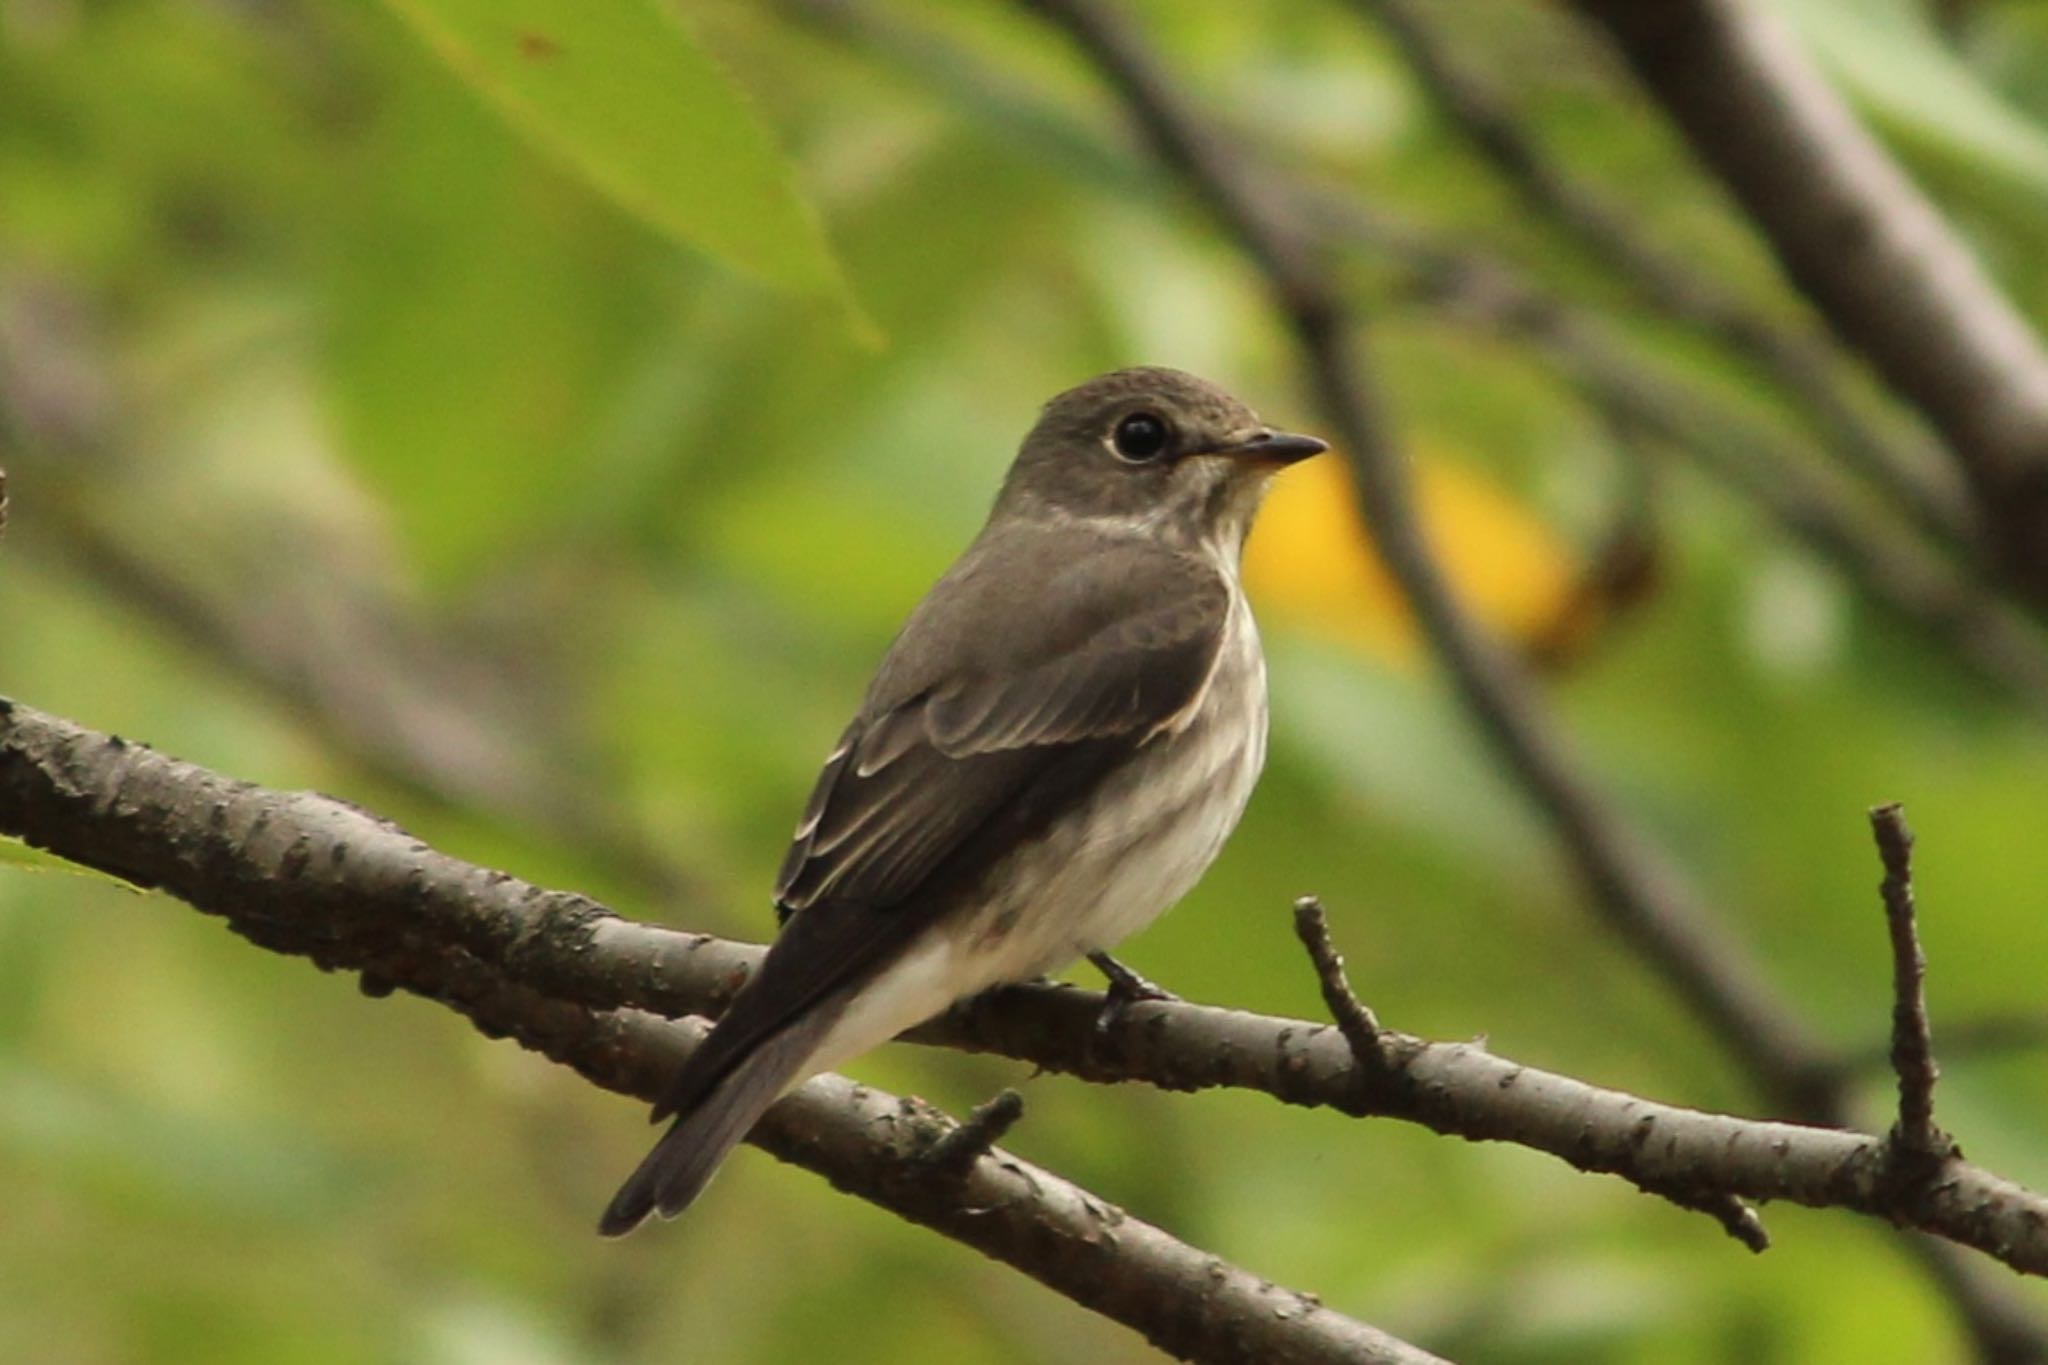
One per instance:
(1912, 1046)
(955, 1153)
(1354, 1020)
(1362, 1033)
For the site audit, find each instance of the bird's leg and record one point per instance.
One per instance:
(1126, 988)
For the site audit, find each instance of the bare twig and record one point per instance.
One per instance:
(955, 1153)
(1911, 476)
(308, 875)
(1356, 1022)
(1912, 1046)
(1859, 239)
(1362, 1033)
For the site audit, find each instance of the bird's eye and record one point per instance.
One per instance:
(1140, 437)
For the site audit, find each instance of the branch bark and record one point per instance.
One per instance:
(309, 875)
(305, 874)
(1912, 1042)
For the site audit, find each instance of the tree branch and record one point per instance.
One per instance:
(1912, 1043)
(1860, 240)
(305, 874)
(1911, 476)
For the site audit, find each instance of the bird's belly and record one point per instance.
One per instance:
(1139, 846)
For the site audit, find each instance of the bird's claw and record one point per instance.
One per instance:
(1126, 988)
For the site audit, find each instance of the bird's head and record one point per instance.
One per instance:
(1158, 450)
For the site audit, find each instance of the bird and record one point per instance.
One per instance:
(1053, 750)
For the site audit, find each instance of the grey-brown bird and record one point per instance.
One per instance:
(1054, 749)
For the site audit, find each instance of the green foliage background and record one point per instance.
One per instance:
(497, 402)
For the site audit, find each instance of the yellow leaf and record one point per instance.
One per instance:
(1310, 561)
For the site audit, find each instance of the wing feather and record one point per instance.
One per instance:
(1112, 653)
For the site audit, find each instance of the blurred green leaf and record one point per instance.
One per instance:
(230, 1167)
(631, 100)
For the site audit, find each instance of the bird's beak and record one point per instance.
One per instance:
(1273, 448)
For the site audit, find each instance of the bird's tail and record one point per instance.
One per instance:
(688, 1155)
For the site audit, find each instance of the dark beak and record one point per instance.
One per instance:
(1274, 447)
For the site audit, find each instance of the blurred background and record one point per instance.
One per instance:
(546, 467)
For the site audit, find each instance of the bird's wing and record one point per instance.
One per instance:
(1022, 678)
(1090, 660)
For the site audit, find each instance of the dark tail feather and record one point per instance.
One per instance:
(689, 1153)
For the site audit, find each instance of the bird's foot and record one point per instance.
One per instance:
(1126, 988)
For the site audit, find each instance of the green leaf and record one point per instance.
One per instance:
(629, 99)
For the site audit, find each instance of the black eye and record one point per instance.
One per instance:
(1141, 436)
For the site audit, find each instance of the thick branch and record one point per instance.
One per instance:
(306, 874)
(1860, 240)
